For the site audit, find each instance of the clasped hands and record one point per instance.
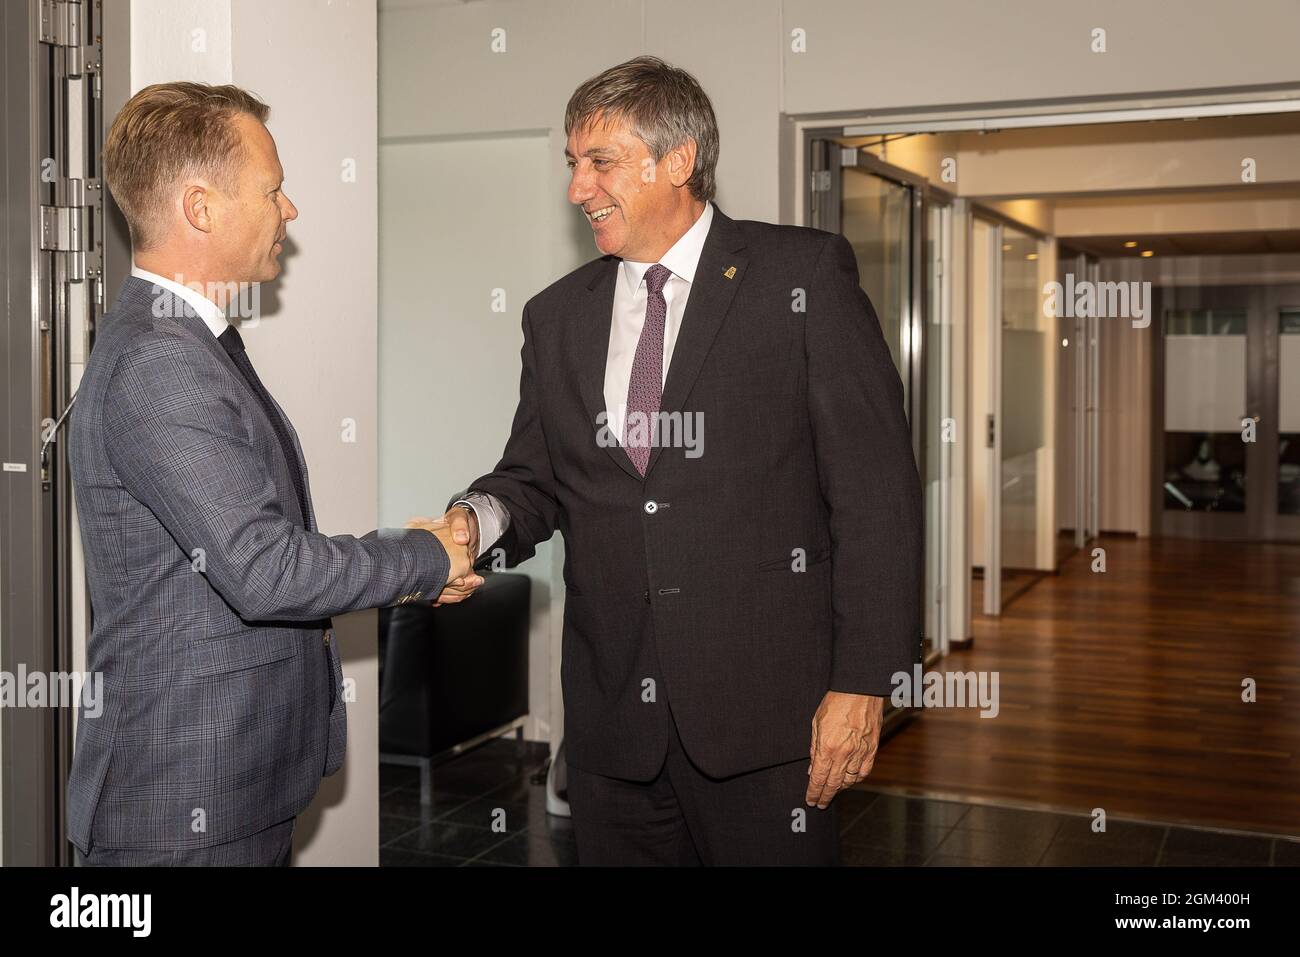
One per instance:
(457, 530)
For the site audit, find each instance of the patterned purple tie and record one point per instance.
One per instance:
(646, 386)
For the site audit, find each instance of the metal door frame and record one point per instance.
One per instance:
(52, 260)
(826, 161)
(993, 423)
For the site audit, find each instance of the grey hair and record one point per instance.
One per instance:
(662, 104)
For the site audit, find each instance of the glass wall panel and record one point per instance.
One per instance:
(1288, 406)
(1023, 429)
(1205, 399)
(877, 218)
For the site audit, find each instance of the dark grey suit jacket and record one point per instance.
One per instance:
(690, 578)
(211, 594)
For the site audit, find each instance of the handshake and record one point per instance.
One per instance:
(458, 533)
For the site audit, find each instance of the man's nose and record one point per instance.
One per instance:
(290, 212)
(580, 188)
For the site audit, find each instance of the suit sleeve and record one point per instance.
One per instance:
(179, 445)
(522, 481)
(868, 479)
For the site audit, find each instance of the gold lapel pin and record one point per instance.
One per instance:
(730, 273)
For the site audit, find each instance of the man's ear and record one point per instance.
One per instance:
(681, 162)
(194, 203)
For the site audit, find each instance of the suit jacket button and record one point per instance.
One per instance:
(651, 507)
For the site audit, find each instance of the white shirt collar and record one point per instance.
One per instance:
(213, 316)
(681, 259)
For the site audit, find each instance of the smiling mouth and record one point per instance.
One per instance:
(600, 215)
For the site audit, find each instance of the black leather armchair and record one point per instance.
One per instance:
(453, 677)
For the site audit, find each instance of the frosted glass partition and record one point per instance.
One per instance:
(876, 219)
(1205, 400)
(1288, 407)
(1023, 435)
(938, 435)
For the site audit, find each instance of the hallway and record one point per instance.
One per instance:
(1123, 691)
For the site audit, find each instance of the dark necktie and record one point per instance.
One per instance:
(645, 388)
(233, 343)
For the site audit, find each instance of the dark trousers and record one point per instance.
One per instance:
(272, 847)
(684, 817)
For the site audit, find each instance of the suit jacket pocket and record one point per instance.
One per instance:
(243, 650)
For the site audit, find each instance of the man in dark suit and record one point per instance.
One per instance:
(211, 587)
(754, 568)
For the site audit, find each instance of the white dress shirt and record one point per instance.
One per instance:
(626, 323)
(213, 316)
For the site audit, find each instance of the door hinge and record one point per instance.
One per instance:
(821, 181)
(61, 23)
(63, 228)
(65, 232)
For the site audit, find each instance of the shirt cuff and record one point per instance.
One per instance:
(493, 519)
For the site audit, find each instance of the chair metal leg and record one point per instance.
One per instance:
(426, 782)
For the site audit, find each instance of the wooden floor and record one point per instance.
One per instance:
(1123, 691)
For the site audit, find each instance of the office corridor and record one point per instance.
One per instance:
(1123, 690)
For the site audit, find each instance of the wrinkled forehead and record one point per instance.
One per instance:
(602, 131)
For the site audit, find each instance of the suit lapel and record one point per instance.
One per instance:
(711, 295)
(592, 350)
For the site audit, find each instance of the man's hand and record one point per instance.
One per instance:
(464, 527)
(459, 537)
(845, 735)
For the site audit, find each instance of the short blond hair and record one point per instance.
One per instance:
(168, 131)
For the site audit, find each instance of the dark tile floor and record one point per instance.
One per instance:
(490, 810)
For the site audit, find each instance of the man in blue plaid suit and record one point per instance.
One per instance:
(211, 587)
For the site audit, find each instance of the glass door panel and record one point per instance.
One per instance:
(877, 221)
(1288, 408)
(1230, 449)
(1205, 397)
(939, 434)
(1023, 431)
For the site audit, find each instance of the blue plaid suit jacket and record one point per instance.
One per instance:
(211, 594)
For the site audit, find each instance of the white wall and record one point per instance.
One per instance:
(179, 40)
(449, 382)
(927, 53)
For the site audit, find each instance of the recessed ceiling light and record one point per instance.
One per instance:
(1147, 253)
(1032, 256)
(1131, 244)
